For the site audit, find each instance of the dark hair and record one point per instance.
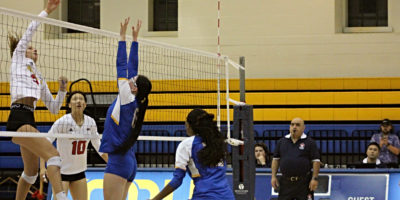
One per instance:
(386, 122)
(262, 145)
(73, 93)
(144, 88)
(203, 125)
(374, 143)
(70, 97)
(13, 40)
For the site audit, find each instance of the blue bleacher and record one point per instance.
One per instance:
(8, 159)
(360, 140)
(8, 146)
(270, 137)
(11, 162)
(146, 146)
(331, 140)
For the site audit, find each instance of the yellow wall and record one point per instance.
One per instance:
(282, 99)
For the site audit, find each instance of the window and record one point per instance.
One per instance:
(84, 12)
(367, 13)
(165, 15)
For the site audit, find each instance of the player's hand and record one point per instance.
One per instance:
(274, 182)
(124, 26)
(261, 158)
(313, 185)
(51, 6)
(63, 82)
(135, 31)
(385, 141)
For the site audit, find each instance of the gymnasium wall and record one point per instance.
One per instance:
(279, 38)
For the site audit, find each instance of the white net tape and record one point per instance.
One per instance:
(230, 141)
(80, 136)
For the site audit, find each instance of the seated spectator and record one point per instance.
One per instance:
(372, 159)
(373, 150)
(389, 144)
(261, 153)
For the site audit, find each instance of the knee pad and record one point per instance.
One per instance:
(55, 161)
(29, 179)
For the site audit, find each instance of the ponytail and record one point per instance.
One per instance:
(13, 40)
(144, 89)
(203, 125)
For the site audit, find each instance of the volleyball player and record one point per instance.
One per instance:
(74, 151)
(124, 119)
(26, 87)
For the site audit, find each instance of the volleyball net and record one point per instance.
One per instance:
(182, 78)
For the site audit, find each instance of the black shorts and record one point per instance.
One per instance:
(73, 177)
(20, 115)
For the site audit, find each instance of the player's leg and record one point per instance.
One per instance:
(29, 176)
(43, 148)
(119, 169)
(133, 163)
(113, 186)
(78, 189)
(125, 194)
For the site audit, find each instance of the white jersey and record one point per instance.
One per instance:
(26, 79)
(73, 152)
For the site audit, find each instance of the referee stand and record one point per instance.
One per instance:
(243, 158)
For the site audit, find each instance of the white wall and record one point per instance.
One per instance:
(279, 38)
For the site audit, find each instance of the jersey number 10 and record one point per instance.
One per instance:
(78, 147)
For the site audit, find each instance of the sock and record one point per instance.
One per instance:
(61, 196)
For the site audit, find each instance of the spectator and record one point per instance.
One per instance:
(373, 151)
(388, 143)
(372, 159)
(261, 154)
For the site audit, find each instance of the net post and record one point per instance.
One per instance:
(243, 158)
(242, 81)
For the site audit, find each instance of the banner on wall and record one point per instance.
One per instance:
(146, 185)
(346, 186)
(394, 186)
(335, 186)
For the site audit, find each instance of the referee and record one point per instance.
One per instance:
(296, 154)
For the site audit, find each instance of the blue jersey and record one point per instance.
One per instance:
(210, 182)
(122, 110)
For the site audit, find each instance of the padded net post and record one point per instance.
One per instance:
(243, 158)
